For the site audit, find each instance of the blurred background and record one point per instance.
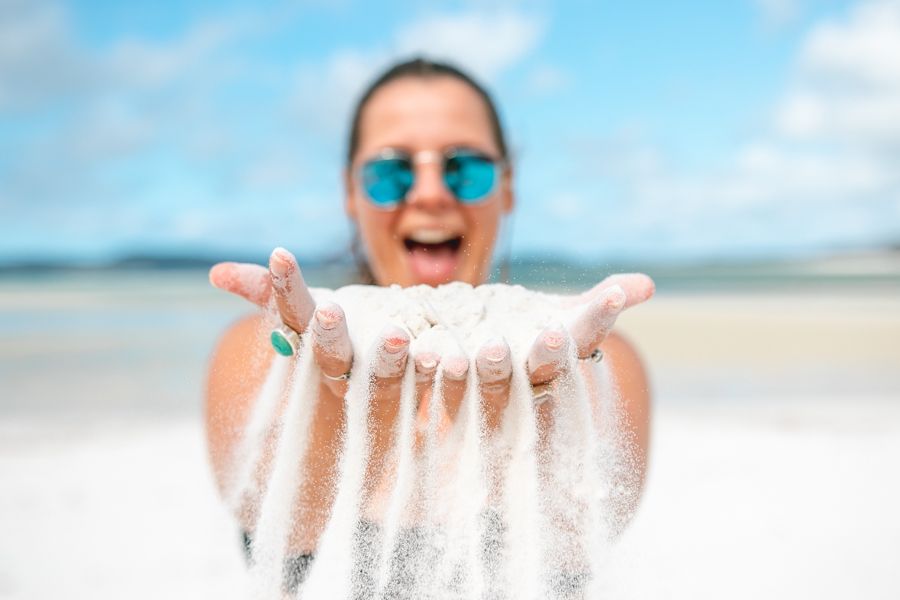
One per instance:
(745, 154)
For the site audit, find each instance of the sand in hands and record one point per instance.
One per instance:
(526, 511)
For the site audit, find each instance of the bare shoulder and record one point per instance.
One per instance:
(626, 362)
(631, 380)
(237, 369)
(238, 366)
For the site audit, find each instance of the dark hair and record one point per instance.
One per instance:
(424, 69)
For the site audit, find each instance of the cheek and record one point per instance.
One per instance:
(483, 226)
(376, 229)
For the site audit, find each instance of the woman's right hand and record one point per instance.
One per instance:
(283, 284)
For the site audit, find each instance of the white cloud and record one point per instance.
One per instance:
(824, 171)
(279, 168)
(37, 57)
(143, 65)
(848, 81)
(864, 50)
(40, 61)
(484, 43)
(325, 93)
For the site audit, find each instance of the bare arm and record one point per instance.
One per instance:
(631, 382)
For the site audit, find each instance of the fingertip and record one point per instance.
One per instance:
(649, 286)
(391, 356)
(220, 275)
(394, 339)
(554, 337)
(455, 367)
(329, 315)
(427, 362)
(494, 350)
(494, 362)
(639, 285)
(549, 351)
(280, 261)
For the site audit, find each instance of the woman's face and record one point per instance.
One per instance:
(430, 237)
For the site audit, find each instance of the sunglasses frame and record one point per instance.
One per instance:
(430, 156)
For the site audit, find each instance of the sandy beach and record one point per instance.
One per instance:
(773, 472)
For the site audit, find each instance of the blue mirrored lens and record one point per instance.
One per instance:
(387, 180)
(470, 177)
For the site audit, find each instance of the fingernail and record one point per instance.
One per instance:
(495, 350)
(551, 350)
(389, 361)
(456, 367)
(328, 315)
(280, 261)
(427, 361)
(395, 340)
(554, 339)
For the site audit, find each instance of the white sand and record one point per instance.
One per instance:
(797, 502)
(774, 468)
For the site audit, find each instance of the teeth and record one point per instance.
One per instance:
(431, 236)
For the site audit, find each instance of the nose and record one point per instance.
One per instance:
(429, 192)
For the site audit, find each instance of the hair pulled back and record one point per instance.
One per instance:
(423, 68)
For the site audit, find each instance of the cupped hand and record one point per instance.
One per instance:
(594, 314)
(282, 284)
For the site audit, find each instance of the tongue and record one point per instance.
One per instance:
(433, 264)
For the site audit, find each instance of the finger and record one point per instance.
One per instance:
(593, 324)
(456, 369)
(388, 366)
(637, 287)
(249, 281)
(295, 304)
(426, 367)
(426, 364)
(332, 349)
(548, 354)
(494, 367)
(391, 353)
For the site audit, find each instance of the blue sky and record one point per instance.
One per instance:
(641, 131)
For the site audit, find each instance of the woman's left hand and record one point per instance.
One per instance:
(595, 313)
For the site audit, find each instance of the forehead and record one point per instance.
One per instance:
(417, 113)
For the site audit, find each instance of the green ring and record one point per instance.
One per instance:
(281, 343)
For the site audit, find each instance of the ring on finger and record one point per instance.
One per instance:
(341, 377)
(595, 356)
(285, 340)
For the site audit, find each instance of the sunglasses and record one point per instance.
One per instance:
(470, 175)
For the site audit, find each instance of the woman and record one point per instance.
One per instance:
(428, 181)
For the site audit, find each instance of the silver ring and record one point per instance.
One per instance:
(341, 377)
(285, 340)
(596, 355)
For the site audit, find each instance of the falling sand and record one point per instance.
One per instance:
(527, 510)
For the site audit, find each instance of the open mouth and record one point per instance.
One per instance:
(433, 256)
(451, 245)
